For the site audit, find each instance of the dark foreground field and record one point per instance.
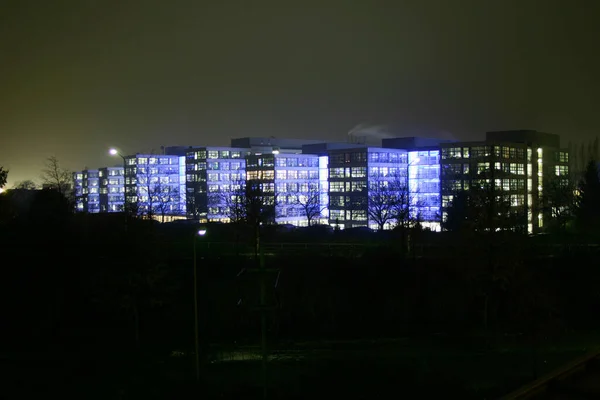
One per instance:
(423, 368)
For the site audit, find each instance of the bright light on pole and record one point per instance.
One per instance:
(113, 152)
(202, 232)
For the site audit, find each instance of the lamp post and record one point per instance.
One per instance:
(115, 152)
(200, 232)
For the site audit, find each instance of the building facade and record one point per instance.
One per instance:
(213, 175)
(359, 179)
(513, 166)
(112, 189)
(155, 185)
(346, 185)
(78, 191)
(424, 187)
(293, 183)
(90, 191)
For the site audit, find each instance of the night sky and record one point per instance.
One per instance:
(79, 76)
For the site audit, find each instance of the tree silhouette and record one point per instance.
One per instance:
(481, 209)
(26, 185)
(56, 177)
(559, 202)
(165, 199)
(588, 199)
(389, 201)
(310, 205)
(3, 177)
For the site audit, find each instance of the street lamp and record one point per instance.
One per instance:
(201, 232)
(115, 152)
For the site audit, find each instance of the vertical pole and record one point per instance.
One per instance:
(263, 320)
(196, 311)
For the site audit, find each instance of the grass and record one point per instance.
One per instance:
(416, 367)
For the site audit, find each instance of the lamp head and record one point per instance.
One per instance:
(201, 232)
(113, 152)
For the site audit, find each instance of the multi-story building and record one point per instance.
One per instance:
(78, 191)
(424, 192)
(513, 165)
(212, 175)
(292, 183)
(355, 174)
(155, 185)
(91, 190)
(424, 187)
(112, 189)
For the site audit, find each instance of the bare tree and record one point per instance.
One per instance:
(233, 201)
(26, 185)
(558, 201)
(165, 199)
(390, 201)
(382, 202)
(156, 194)
(247, 203)
(310, 204)
(56, 177)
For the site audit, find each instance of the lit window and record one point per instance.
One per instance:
(359, 172)
(336, 187)
(359, 215)
(303, 174)
(251, 175)
(483, 167)
(359, 186)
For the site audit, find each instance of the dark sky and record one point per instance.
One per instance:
(79, 76)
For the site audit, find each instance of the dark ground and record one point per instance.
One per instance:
(424, 368)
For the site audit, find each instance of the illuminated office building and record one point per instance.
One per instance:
(424, 187)
(295, 183)
(354, 175)
(213, 175)
(514, 165)
(155, 184)
(78, 191)
(112, 189)
(86, 187)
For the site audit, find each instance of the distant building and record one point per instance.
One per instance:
(200, 182)
(212, 175)
(86, 190)
(296, 184)
(112, 189)
(352, 173)
(78, 191)
(514, 164)
(155, 185)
